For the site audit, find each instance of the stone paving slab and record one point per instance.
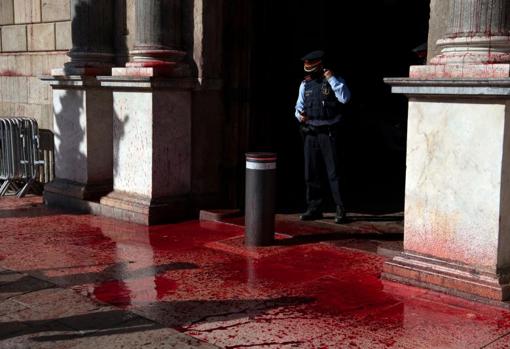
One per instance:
(37, 315)
(20, 285)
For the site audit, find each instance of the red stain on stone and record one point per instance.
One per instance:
(123, 293)
(361, 294)
(10, 73)
(113, 292)
(164, 286)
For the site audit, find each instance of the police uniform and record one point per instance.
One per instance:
(319, 109)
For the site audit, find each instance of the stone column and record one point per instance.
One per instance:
(478, 32)
(83, 111)
(457, 197)
(158, 37)
(152, 98)
(92, 37)
(476, 43)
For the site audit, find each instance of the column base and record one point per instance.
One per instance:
(81, 71)
(81, 191)
(459, 71)
(447, 277)
(152, 69)
(473, 49)
(146, 211)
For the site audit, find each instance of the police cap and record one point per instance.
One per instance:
(313, 56)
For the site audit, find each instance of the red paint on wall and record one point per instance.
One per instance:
(8, 72)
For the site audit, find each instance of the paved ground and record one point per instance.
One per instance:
(80, 281)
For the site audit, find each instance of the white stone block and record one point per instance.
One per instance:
(42, 64)
(22, 64)
(14, 89)
(152, 143)
(38, 91)
(453, 205)
(56, 10)
(7, 63)
(83, 144)
(132, 133)
(27, 11)
(41, 37)
(6, 12)
(14, 38)
(63, 35)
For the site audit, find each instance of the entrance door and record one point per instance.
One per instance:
(364, 42)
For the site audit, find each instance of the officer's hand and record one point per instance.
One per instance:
(328, 73)
(303, 118)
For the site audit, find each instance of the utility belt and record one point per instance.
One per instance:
(307, 129)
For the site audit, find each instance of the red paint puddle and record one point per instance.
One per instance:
(113, 292)
(123, 293)
(287, 227)
(296, 265)
(338, 297)
(189, 235)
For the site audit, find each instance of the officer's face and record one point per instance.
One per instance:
(312, 66)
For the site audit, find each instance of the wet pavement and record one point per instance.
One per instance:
(81, 281)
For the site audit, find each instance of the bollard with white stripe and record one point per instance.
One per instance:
(260, 198)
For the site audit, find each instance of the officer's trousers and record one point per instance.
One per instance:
(320, 152)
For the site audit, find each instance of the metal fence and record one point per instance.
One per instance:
(21, 159)
(47, 151)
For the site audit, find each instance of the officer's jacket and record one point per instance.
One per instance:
(320, 102)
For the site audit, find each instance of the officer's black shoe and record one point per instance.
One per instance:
(340, 215)
(311, 215)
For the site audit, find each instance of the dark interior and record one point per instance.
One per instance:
(364, 42)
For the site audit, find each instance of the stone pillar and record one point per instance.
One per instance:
(83, 110)
(158, 36)
(152, 149)
(457, 197)
(92, 37)
(82, 118)
(152, 98)
(476, 43)
(478, 32)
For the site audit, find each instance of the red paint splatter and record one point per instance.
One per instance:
(123, 293)
(8, 72)
(113, 292)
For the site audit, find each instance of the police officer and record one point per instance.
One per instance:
(319, 109)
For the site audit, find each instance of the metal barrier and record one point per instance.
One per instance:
(47, 151)
(20, 160)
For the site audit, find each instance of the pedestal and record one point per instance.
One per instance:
(152, 149)
(457, 200)
(82, 118)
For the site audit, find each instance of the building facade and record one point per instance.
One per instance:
(153, 104)
(231, 50)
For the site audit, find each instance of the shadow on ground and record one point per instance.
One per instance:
(178, 314)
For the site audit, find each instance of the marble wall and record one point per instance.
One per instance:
(454, 191)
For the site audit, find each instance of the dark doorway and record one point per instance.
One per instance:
(364, 43)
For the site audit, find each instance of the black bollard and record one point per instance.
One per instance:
(259, 198)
